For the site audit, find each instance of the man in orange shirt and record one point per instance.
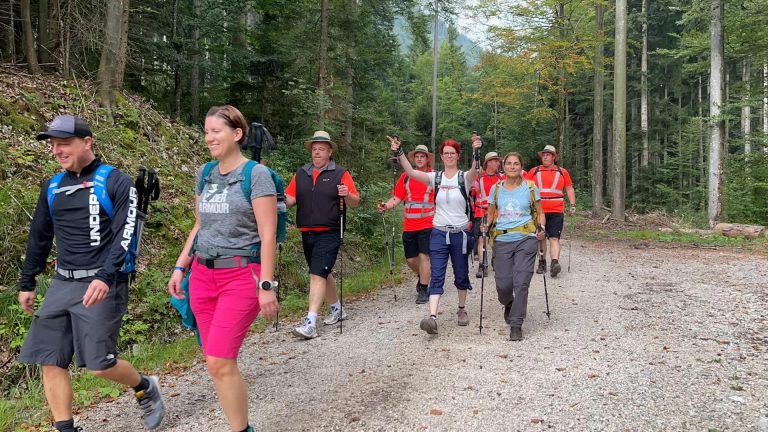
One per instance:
(317, 189)
(482, 187)
(553, 183)
(417, 218)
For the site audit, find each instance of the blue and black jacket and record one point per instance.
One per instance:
(86, 236)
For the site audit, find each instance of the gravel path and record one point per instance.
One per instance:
(640, 339)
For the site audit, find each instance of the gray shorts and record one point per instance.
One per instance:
(63, 327)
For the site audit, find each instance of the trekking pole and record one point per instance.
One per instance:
(391, 243)
(341, 266)
(570, 240)
(546, 296)
(484, 263)
(277, 276)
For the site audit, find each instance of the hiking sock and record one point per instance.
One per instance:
(554, 261)
(143, 384)
(462, 307)
(65, 425)
(247, 428)
(336, 306)
(434, 317)
(312, 317)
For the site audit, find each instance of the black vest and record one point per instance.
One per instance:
(318, 204)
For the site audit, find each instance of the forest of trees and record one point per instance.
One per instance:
(653, 104)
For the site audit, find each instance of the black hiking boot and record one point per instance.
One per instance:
(421, 294)
(555, 269)
(515, 334)
(542, 267)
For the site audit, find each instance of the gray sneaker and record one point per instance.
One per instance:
(306, 330)
(463, 318)
(335, 316)
(429, 325)
(515, 334)
(151, 402)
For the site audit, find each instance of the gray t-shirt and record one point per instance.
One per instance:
(226, 217)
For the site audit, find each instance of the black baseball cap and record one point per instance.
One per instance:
(66, 126)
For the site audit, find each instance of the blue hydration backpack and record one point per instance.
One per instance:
(245, 186)
(99, 185)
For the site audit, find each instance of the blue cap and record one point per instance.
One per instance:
(66, 126)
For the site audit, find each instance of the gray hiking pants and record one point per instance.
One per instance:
(513, 269)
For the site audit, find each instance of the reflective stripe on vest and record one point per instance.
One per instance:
(552, 189)
(482, 201)
(418, 209)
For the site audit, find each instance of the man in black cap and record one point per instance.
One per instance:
(90, 209)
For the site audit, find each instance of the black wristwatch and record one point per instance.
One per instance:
(267, 285)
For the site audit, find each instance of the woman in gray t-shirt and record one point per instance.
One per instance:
(233, 264)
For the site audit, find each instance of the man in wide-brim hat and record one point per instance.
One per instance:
(548, 149)
(317, 189)
(554, 182)
(417, 218)
(482, 187)
(320, 137)
(421, 148)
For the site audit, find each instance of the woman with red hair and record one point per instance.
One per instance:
(450, 236)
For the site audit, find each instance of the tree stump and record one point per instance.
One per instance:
(739, 230)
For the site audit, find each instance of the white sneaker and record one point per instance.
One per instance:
(335, 316)
(306, 331)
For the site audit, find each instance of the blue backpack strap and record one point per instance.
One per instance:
(206, 172)
(100, 187)
(52, 186)
(245, 184)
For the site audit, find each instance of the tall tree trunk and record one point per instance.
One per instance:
(702, 173)
(715, 104)
(609, 158)
(350, 104)
(562, 97)
(66, 39)
(109, 50)
(194, 78)
(644, 87)
(177, 60)
(765, 99)
(435, 52)
(323, 59)
(746, 109)
(8, 39)
(43, 38)
(122, 52)
(30, 50)
(619, 112)
(53, 47)
(726, 98)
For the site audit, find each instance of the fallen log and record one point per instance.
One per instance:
(739, 230)
(688, 231)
